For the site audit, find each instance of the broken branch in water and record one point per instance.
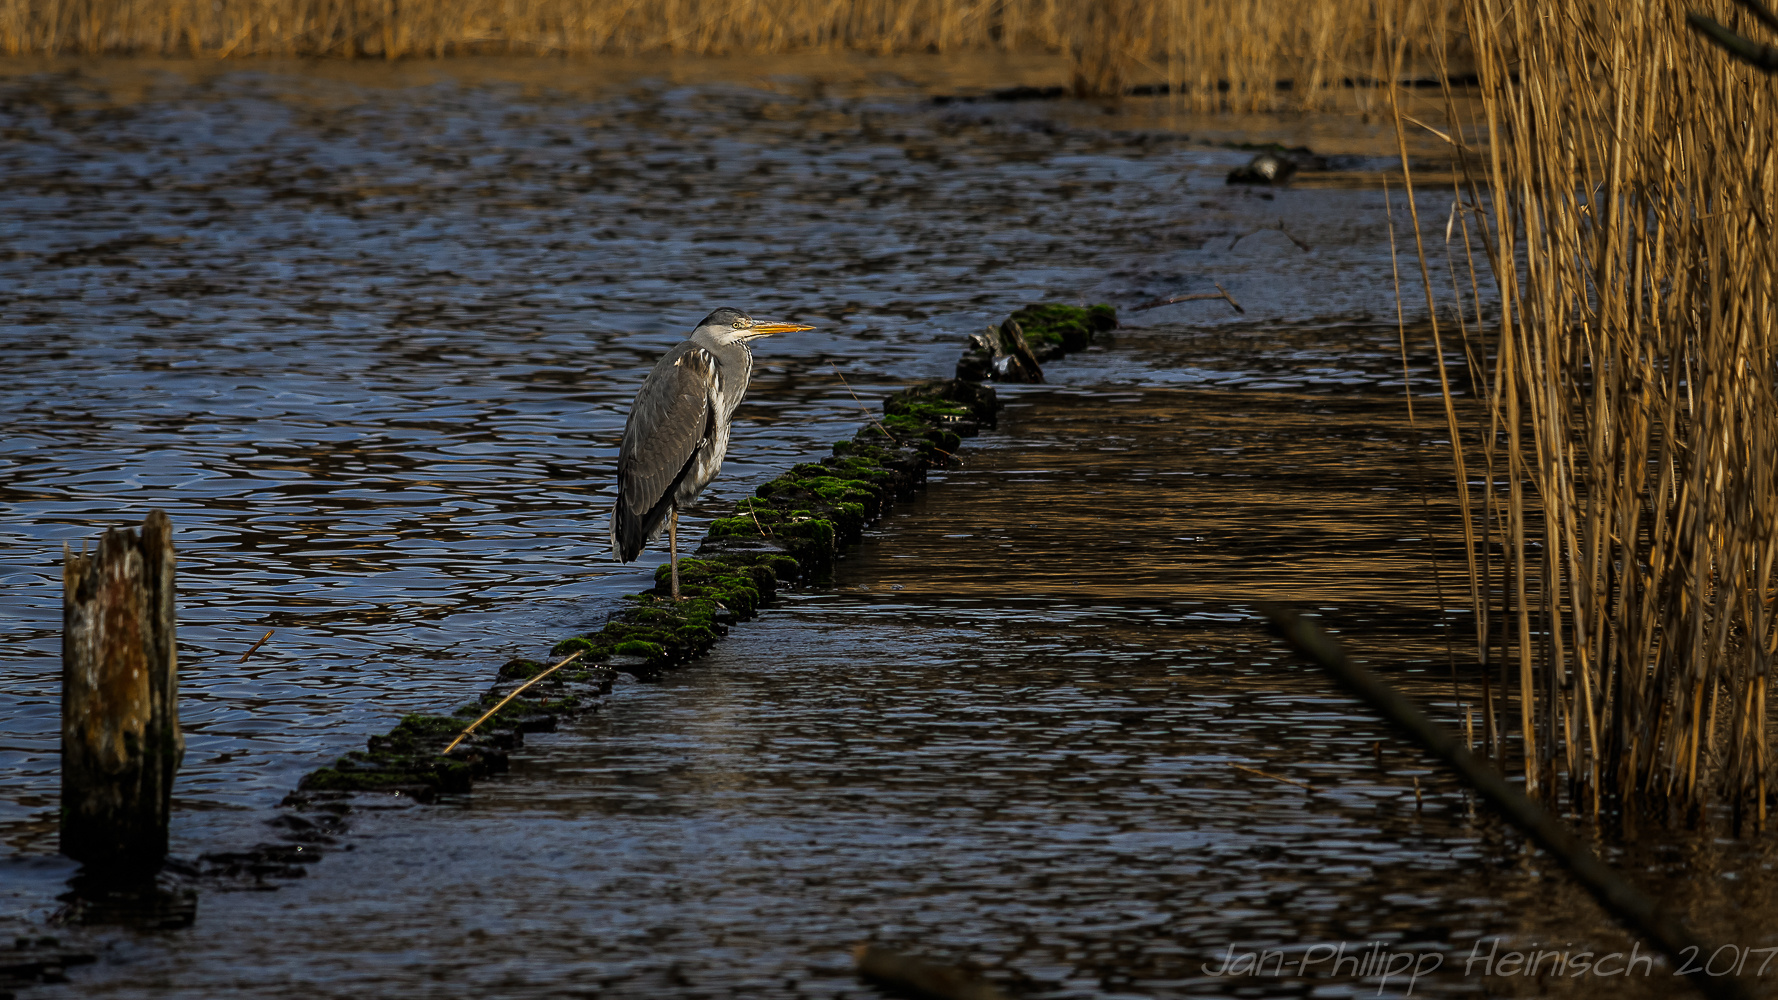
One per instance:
(255, 647)
(516, 692)
(1279, 228)
(918, 976)
(1619, 897)
(1220, 293)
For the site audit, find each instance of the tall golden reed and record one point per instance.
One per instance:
(1623, 191)
(1227, 54)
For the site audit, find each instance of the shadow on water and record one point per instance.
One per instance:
(370, 341)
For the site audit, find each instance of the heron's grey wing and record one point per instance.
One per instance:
(669, 419)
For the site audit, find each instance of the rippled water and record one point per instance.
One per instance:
(368, 336)
(370, 342)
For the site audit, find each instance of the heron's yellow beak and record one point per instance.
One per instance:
(767, 329)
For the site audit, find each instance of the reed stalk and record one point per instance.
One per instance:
(1623, 542)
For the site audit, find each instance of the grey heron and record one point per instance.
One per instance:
(678, 430)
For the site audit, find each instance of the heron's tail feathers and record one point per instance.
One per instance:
(631, 532)
(626, 542)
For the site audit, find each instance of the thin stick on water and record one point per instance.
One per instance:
(516, 692)
(253, 648)
(1617, 895)
(1279, 228)
(1193, 297)
(868, 415)
(1305, 786)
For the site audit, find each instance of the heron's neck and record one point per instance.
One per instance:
(726, 349)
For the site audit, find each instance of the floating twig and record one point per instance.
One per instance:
(1288, 781)
(868, 415)
(1620, 897)
(1220, 293)
(255, 646)
(516, 692)
(1279, 228)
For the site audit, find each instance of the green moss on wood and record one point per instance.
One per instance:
(1070, 328)
(568, 647)
(795, 525)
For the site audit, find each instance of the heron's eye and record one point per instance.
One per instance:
(742, 322)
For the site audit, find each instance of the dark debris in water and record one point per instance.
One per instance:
(1015, 350)
(901, 974)
(1266, 168)
(37, 959)
(1022, 93)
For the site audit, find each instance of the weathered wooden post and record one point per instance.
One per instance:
(121, 743)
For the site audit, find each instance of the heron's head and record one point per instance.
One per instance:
(729, 326)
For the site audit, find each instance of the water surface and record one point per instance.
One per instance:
(369, 335)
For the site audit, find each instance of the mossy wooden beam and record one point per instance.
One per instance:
(790, 531)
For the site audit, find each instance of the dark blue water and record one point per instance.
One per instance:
(369, 339)
(370, 343)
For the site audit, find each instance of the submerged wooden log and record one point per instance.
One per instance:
(121, 744)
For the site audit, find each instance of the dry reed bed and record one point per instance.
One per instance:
(1224, 54)
(1622, 502)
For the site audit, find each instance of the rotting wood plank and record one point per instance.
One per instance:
(121, 743)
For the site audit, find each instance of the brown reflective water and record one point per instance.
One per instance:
(369, 337)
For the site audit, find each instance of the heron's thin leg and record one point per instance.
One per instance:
(673, 548)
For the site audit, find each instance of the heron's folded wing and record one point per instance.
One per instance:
(669, 419)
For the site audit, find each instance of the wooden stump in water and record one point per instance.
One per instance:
(121, 743)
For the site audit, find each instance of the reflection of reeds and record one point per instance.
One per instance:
(1240, 54)
(1627, 447)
